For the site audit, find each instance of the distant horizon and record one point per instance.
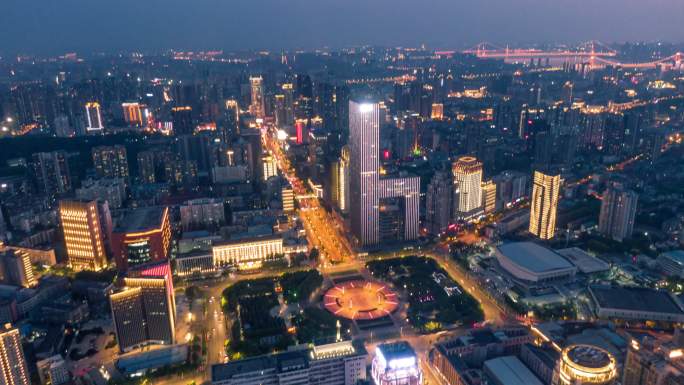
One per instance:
(50, 28)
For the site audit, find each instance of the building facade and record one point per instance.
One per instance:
(143, 235)
(13, 369)
(83, 235)
(544, 205)
(618, 210)
(467, 178)
(110, 161)
(367, 188)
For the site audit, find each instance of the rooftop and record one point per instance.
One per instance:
(589, 356)
(395, 350)
(675, 255)
(511, 370)
(533, 257)
(141, 219)
(635, 299)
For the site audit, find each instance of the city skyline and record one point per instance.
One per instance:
(73, 25)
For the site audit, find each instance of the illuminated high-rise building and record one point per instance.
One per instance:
(288, 198)
(144, 309)
(132, 114)
(182, 120)
(143, 235)
(368, 191)
(83, 235)
(340, 181)
(231, 122)
(280, 110)
(618, 209)
(13, 369)
(94, 117)
(270, 167)
(438, 201)
(16, 268)
(467, 178)
(256, 106)
(288, 92)
(544, 204)
(489, 196)
(437, 111)
(110, 161)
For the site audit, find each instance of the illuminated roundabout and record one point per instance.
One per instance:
(360, 300)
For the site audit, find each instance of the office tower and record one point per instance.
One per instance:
(110, 162)
(141, 236)
(132, 114)
(253, 152)
(147, 167)
(511, 187)
(280, 110)
(618, 209)
(182, 120)
(367, 189)
(438, 201)
(256, 106)
(585, 365)
(544, 204)
(437, 111)
(144, 309)
(51, 171)
(288, 197)
(13, 370)
(269, 166)
(203, 213)
(288, 93)
(467, 178)
(83, 235)
(489, 196)
(340, 181)
(396, 363)
(16, 268)
(231, 121)
(592, 128)
(94, 118)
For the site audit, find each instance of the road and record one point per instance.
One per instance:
(322, 230)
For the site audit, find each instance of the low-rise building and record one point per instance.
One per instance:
(636, 304)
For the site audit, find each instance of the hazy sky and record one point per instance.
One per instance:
(55, 26)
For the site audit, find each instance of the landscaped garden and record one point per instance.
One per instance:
(435, 300)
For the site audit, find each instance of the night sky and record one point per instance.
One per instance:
(57, 26)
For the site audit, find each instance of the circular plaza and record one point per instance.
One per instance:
(360, 300)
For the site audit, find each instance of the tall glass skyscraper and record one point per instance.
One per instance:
(367, 189)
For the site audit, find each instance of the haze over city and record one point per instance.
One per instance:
(45, 26)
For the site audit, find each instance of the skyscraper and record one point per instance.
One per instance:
(544, 204)
(438, 201)
(144, 309)
(489, 196)
(182, 120)
(340, 181)
(13, 370)
(618, 209)
(110, 161)
(256, 106)
(16, 268)
(132, 114)
(367, 189)
(467, 173)
(288, 92)
(231, 122)
(51, 171)
(94, 117)
(83, 235)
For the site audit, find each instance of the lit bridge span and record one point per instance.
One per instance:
(594, 53)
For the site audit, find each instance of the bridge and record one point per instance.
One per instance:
(594, 53)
